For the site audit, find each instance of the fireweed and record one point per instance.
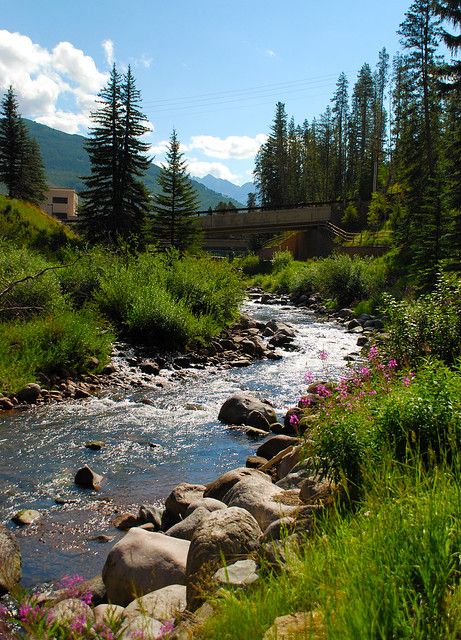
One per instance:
(380, 406)
(34, 619)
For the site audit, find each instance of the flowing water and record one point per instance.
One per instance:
(41, 448)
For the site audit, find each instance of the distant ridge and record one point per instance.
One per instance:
(66, 160)
(229, 189)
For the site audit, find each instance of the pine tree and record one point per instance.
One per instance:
(271, 165)
(174, 207)
(115, 199)
(251, 200)
(360, 156)
(21, 165)
(340, 112)
(379, 113)
(450, 11)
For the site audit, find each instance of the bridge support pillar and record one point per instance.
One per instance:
(314, 243)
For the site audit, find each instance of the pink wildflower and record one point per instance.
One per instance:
(308, 377)
(365, 372)
(323, 391)
(294, 419)
(166, 629)
(392, 364)
(78, 624)
(323, 355)
(4, 613)
(407, 381)
(86, 597)
(304, 402)
(373, 353)
(373, 392)
(24, 610)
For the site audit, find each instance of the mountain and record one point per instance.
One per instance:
(227, 188)
(66, 160)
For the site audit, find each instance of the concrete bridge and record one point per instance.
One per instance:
(232, 229)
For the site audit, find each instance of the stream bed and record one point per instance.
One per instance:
(42, 448)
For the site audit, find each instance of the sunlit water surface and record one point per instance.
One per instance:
(41, 449)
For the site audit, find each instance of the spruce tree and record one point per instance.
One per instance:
(174, 221)
(11, 143)
(340, 113)
(115, 199)
(21, 165)
(271, 165)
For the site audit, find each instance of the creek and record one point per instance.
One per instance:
(42, 448)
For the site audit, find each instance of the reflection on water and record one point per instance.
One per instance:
(41, 449)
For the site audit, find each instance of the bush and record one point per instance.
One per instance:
(429, 325)
(32, 297)
(55, 345)
(281, 260)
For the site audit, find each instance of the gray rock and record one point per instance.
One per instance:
(108, 613)
(180, 498)
(207, 503)
(26, 517)
(150, 514)
(239, 574)
(237, 409)
(162, 604)
(254, 462)
(219, 487)
(265, 501)
(141, 627)
(142, 562)
(226, 535)
(185, 529)
(353, 323)
(29, 394)
(67, 610)
(274, 445)
(10, 560)
(281, 327)
(86, 477)
(279, 529)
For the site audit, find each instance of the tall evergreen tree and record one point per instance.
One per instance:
(450, 11)
(340, 112)
(360, 169)
(379, 113)
(21, 165)
(271, 167)
(115, 199)
(174, 207)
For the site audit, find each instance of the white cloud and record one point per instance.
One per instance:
(271, 53)
(236, 147)
(144, 61)
(56, 87)
(217, 169)
(108, 47)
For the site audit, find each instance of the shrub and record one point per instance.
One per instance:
(281, 260)
(54, 345)
(429, 325)
(34, 296)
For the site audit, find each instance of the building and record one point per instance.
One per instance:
(62, 203)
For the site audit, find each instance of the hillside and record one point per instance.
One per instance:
(228, 188)
(66, 160)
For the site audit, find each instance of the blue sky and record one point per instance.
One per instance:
(213, 69)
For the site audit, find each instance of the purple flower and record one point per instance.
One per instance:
(365, 372)
(166, 629)
(392, 364)
(304, 402)
(78, 624)
(4, 613)
(24, 610)
(308, 377)
(323, 391)
(407, 381)
(373, 353)
(86, 597)
(323, 355)
(294, 420)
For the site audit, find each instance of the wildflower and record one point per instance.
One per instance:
(373, 353)
(304, 402)
(166, 629)
(365, 372)
(323, 391)
(392, 364)
(294, 419)
(103, 631)
(78, 624)
(373, 392)
(86, 597)
(308, 377)
(69, 582)
(4, 613)
(407, 381)
(323, 355)
(24, 610)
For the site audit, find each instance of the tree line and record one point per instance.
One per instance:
(116, 205)
(392, 144)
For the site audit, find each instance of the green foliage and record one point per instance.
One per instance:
(58, 344)
(429, 325)
(281, 260)
(351, 214)
(389, 571)
(33, 297)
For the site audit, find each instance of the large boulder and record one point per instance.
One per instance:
(219, 487)
(210, 504)
(142, 627)
(226, 535)
(185, 529)
(68, 610)
(29, 394)
(180, 498)
(86, 477)
(237, 410)
(142, 562)
(162, 604)
(10, 560)
(265, 501)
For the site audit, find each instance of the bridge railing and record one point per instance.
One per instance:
(279, 207)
